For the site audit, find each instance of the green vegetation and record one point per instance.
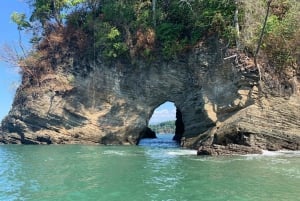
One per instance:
(281, 37)
(282, 40)
(130, 29)
(44, 10)
(135, 27)
(164, 127)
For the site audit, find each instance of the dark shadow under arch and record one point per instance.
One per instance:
(179, 125)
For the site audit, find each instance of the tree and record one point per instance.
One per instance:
(20, 20)
(261, 37)
(281, 38)
(154, 12)
(45, 11)
(236, 25)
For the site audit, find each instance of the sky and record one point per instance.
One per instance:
(9, 76)
(164, 112)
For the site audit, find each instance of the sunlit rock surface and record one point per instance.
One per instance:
(224, 108)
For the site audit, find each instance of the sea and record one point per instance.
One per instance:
(156, 170)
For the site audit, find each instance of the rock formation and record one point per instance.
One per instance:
(225, 108)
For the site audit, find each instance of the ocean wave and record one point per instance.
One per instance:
(114, 152)
(182, 152)
(280, 153)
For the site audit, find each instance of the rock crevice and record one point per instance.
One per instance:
(223, 107)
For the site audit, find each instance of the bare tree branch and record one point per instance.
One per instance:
(9, 55)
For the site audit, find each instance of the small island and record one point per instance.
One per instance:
(98, 70)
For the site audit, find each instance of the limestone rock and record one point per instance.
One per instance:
(224, 108)
(230, 149)
(147, 133)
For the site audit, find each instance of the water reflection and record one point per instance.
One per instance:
(163, 166)
(162, 140)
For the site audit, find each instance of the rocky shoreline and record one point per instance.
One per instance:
(224, 108)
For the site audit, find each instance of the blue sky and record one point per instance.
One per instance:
(9, 77)
(164, 112)
(8, 35)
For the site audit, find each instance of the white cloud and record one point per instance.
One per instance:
(161, 115)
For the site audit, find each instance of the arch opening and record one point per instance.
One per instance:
(165, 125)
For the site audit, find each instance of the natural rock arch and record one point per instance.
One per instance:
(111, 103)
(178, 124)
(165, 106)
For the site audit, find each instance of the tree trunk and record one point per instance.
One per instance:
(236, 24)
(154, 12)
(56, 13)
(261, 37)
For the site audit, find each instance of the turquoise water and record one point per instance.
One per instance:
(142, 173)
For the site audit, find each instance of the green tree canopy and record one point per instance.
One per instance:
(45, 10)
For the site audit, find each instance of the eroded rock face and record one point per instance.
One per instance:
(222, 105)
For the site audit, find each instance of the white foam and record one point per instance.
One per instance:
(271, 153)
(289, 152)
(182, 152)
(280, 153)
(112, 152)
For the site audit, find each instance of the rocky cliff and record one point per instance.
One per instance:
(225, 108)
